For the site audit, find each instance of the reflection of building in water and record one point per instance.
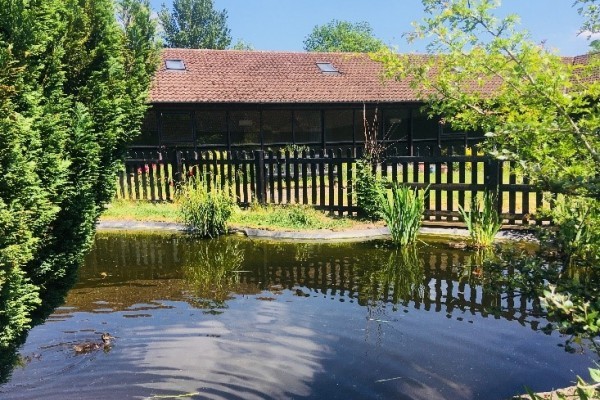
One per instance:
(437, 278)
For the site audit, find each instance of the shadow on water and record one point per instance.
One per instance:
(53, 297)
(249, 318)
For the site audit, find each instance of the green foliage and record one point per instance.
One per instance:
(590, 11)
(482, 220)
(205, 211)
(576, 236)
(294, 216)
(343, 36)
(403, 211)
(195, 24)
(544, 112)
(213, 272)
(73, 84)
(242, 45)
(369, 190)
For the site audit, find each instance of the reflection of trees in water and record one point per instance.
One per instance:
(213, 270)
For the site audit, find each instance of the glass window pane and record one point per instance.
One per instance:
(396, 124)
(277, 126)
(177, 129)
(339, 126)
(359, 121)
(244, 127)
(149, 131)
(424, 127)
(211, 127)
(307, 125)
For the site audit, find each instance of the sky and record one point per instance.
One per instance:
(282, 25)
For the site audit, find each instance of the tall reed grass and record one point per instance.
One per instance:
(402, 210)
(205, 211)
(482, 220)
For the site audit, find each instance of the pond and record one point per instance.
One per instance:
(236, 318)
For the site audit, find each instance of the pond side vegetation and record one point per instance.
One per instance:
(482, 220)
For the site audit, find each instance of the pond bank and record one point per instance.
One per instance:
(318, 234)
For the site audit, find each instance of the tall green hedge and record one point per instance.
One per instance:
(74, 76)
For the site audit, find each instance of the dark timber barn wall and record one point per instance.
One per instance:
(234, 100)
(405, 128)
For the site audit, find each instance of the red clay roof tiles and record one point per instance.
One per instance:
(230, 76)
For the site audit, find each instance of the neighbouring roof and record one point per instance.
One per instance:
(234, 76)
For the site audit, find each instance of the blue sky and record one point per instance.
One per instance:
(283, 24)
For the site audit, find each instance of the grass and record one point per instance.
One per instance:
(143, 211)
(293, 217)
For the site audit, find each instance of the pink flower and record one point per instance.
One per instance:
(139, 171)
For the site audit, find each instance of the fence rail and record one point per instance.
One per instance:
(326, 179)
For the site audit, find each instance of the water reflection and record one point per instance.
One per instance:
(213, 273)
(238, 318)
(430, 277)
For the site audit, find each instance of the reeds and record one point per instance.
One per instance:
(482, 220)
(205, 211)
(402, 210)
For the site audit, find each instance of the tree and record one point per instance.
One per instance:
(241, 44)
(195, 24)
(73, 87)
(543, 113)
(536, 108)
(343, 36)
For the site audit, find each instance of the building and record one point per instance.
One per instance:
(227, 99)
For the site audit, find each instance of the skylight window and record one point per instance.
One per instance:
(175, 65)
(328, 68)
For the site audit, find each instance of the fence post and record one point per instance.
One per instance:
(492, 181)
(177, 165)
(259, 166)
(492, 175)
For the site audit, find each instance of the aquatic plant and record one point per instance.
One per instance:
(205, 210)
(482, 220)
(402, 210)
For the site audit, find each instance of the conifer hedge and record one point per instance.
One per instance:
(74, 77)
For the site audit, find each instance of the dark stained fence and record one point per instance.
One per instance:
(325, 179)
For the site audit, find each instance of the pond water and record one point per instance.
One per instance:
(236, 318)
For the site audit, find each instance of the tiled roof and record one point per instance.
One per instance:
(588, 74)
(231, 76)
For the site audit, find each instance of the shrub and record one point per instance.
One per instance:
(402, 211)
(483, 220)
(369, 189)
(576, 236)
(205, 211)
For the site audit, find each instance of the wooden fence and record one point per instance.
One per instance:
(326, 179)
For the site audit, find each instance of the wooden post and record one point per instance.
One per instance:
(259, 166)
(492, 181)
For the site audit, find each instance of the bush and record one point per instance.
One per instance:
(483, 220)
(402, 211)
(205, 211)
(369, 189)
(576, 236)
